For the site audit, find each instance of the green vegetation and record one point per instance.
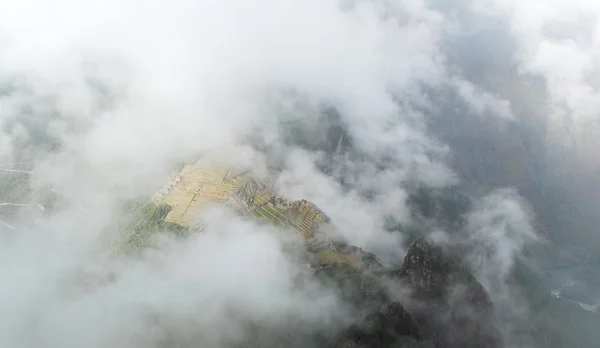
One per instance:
(144, 220)
(271, 215)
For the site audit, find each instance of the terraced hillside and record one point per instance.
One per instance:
(212, 180)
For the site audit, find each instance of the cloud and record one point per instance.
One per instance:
(102, 99)
(126, 91)
(502, 224)
(69, 294)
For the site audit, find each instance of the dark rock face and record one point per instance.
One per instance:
(390, 326)
(450, 307)
(447, 308)
(433, 269)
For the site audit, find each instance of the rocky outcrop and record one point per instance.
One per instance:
(450, 307)
(447, 307)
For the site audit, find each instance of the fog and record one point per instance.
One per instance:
(101, 100)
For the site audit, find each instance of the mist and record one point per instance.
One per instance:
(101, 100)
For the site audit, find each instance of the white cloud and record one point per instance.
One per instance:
(130, 87)
(66, 293)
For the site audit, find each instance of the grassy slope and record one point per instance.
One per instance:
(142, 220)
